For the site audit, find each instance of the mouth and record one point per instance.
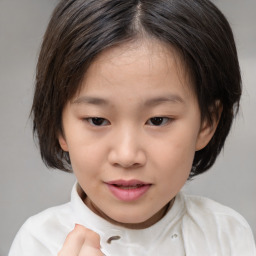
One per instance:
(128, 187)
(128, 190)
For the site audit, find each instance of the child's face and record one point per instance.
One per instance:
(132, 132)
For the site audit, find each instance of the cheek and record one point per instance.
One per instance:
(175, 156)
(86, 160)
(173, 171)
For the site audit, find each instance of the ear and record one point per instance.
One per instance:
(62, 142)
(208, 128)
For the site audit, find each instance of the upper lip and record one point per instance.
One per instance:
(127, 183)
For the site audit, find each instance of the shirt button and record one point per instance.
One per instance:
(113, 238)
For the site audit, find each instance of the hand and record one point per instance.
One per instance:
(81, 242)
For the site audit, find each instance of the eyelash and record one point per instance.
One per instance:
(100, 121)
(93, 120)
(163, 120)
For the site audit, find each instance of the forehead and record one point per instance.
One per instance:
(147, 64)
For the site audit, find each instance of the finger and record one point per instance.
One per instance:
(72, 245)
(90, 251)
(77, 238)
(92, 239)
(73, 242)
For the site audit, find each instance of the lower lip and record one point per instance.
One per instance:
(130, 194)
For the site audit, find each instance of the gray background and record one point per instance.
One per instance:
(27, 186)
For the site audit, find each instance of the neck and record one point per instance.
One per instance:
(149, 222)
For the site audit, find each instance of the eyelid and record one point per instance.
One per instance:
(90, 121)
(167, 120)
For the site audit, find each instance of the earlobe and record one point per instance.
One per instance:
(208, 128)
(63, 143)
(206, 133)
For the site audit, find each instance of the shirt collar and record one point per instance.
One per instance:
(84, 216)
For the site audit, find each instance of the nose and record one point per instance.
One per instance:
(127, 149)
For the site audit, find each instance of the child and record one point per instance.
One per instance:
(135, 97)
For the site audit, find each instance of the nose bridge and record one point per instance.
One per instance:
(128, 141)
(127, 147)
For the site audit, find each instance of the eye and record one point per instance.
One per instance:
(158, 121)
(97, 121)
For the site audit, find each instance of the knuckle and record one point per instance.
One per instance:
(83, 231)
(86, 234)
(93, 235)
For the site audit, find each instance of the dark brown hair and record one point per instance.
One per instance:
(79, 30)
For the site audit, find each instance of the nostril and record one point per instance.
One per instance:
(128, 166)
(128, 159)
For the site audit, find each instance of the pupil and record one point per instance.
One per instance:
(157, 120)
(97, 121)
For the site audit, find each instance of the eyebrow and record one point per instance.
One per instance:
(90, 100)
(172, 98)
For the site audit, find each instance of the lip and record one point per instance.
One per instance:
(128, 190)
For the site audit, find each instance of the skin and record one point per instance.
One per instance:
(81, 241)
(127, 86)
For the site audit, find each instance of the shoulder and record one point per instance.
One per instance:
(43, 233)
(211, 207)
(53, 214)
(220, 226)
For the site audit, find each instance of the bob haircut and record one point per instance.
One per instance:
(80, 30)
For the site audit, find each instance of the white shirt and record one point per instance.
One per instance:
(194, 226)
